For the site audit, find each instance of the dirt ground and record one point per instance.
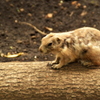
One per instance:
(58, 15)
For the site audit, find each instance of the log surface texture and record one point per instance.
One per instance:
(36, 81)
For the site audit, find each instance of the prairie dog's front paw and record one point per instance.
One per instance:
(56, 66)
(51, 63)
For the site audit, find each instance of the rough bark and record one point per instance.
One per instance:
(36, 81)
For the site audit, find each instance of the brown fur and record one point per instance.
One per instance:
(82, 44)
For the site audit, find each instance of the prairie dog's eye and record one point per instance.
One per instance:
(49, 44)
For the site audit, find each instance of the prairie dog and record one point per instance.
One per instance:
(81, 44)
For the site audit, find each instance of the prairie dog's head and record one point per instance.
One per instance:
(50, 43)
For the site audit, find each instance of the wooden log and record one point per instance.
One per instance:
(36, 81)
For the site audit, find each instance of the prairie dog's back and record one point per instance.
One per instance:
(63, 35)
(86, 30)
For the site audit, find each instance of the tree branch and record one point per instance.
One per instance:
(36, 81)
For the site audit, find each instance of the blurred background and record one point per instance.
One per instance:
(20, 42)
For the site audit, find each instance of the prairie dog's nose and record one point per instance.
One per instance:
(40, 50)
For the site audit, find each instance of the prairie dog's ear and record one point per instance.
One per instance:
(58, 40)
(51, 34)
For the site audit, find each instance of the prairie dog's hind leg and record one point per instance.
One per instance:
(86, 63)
(93, 55)
(89, 65)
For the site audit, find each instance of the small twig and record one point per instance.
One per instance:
(35, 28)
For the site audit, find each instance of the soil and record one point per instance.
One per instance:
(59, 15)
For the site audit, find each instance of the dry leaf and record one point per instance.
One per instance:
(16, 21)
(49, 15)
(83, 13)
(74, 3)
(78, 5)
(33, 37)
(61, 2)
(29, 14)
(13, 55)
(21, 9)
(49, 29)
(84, 6)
